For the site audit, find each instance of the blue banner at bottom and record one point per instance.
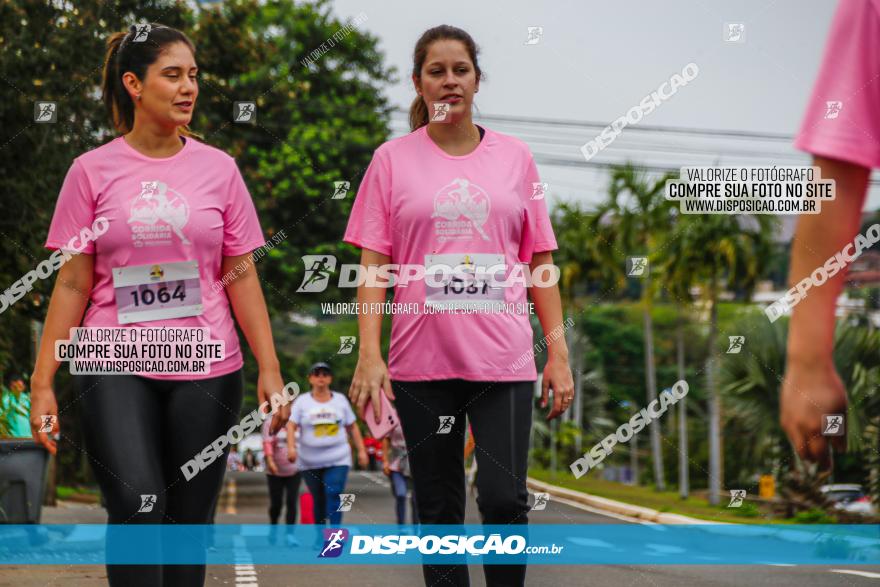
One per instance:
(569, 544)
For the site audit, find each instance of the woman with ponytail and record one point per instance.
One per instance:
(455, 194)
(176, 217)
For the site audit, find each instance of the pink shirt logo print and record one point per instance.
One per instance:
(155, 217)
(460, 199)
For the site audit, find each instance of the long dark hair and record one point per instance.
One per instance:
(418, 111)
(123, 55)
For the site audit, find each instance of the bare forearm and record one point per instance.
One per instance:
(817, 238)
(370, 323)
(249, 306)
(66, 307)
(548, 307)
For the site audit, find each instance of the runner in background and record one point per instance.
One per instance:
(169, 205)
(455, 194)
(325, 422)
(233, 462)
(841, 129)
(396, 467)
(15, 403)
(281, 473)
(372, 445)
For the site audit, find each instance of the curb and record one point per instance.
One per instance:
(616, 507)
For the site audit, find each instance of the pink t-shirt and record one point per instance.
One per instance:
(417, 200)
(192, 206)
(842, 119)
(276, 447)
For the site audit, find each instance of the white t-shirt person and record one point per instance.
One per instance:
(323, 440)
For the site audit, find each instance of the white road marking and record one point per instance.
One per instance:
(859, 573)
(593, 510)
(245, 573)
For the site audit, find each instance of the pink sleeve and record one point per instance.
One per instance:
(241, 227)
(537, 234)
(368, 224)
(74, 210)
(842, 119)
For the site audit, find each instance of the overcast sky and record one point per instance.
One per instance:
(595, 60)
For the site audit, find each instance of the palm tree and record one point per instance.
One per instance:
(677, 277)
(634, 218)
(727, 253)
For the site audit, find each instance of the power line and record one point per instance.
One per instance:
(644, 127)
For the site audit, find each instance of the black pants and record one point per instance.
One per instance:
(501, 415)
(278, 486)
(138, 432)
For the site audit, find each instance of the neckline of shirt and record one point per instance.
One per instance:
(187, 141)
(483, 140)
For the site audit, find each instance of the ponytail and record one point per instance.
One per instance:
(418, 113)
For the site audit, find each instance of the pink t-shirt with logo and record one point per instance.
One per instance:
(842, 119)
(416, 200)
(192, 206)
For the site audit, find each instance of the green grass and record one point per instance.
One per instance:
(64, 492)
(663, 501)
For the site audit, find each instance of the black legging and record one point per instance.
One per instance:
(501, 418)
(138, 432)
(277, 487)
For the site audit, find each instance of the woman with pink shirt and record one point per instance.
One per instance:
(178, 218)
(841, 129)
(281, 474)
(454, 194)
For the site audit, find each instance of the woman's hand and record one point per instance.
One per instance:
(386, 468)
(557, 376)
(270, 383)
(370, 376)
(291, 455)
(809, 391)
(270, 464)
(363, 460)
(43, 403)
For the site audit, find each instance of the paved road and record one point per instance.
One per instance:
(374, 504)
